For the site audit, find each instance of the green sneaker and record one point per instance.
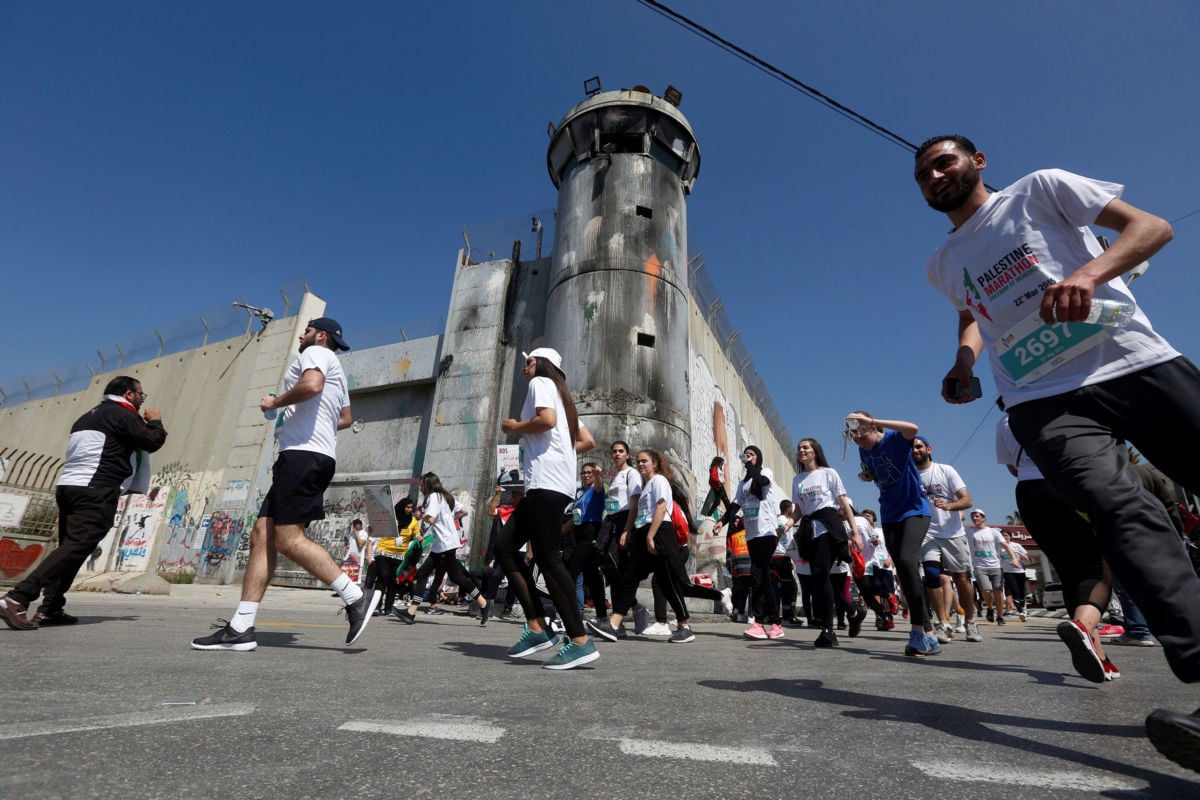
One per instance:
(532, 642)
(572, 655)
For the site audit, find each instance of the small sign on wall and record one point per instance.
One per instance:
(12, 509)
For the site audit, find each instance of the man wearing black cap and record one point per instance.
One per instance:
(316, 406)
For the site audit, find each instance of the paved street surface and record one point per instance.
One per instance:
(119, 706)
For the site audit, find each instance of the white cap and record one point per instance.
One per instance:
(550, 354)
(978, 511)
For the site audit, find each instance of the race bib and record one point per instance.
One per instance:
(751, 512)
(1031, 348)
(984, 554)
(612, 506)
(642, 521)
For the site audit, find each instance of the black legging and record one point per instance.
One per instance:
(1065, 537)
(447, 563)
(668, 569)
(537, 519)
(806, 595)
(584, 559)
(382, 572)
(762, 587)
(784, 576)
(903, 540)
(1014, 587)
(825, 597)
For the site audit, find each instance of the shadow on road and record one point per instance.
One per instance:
(969, 724)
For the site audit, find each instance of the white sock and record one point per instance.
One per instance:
(348, 590)
(243, 618)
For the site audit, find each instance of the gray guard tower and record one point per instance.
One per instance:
(623, 163)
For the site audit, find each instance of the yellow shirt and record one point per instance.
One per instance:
(397, 547)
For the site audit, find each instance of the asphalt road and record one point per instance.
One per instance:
(119, 706)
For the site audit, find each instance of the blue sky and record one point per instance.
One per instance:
(159, 159)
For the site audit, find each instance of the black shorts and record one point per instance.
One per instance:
(297, 493)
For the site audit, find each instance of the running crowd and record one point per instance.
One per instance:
(1083, 375)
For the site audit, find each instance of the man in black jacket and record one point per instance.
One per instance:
(103, 454)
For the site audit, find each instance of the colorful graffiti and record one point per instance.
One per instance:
(222, 539)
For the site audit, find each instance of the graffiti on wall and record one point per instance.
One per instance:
(203, 543)
(221, 540)
(18, 556)
(139, 515)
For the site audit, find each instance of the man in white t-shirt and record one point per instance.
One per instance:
(987, 547)
(316, 405)
(1023, 270)
(945, 553)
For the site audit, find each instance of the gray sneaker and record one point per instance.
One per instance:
(973, 634)
(603, 629)
(641, 619)
(681, 635)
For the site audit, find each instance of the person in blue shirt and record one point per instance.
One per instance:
(587, 513)
(885, 450)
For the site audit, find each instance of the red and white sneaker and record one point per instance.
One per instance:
(755, 631)
(1083, 654)
(776, 632)
(1106, 632)
(1111, 673)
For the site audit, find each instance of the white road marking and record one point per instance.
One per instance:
(1022, 776)
(171, 714)
(653, 748)
(462, 729)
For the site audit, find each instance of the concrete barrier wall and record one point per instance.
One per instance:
(204, 480)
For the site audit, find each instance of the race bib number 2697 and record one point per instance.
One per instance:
(1031, 348)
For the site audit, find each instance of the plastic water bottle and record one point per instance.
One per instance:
(1111, 313)
(271, 413)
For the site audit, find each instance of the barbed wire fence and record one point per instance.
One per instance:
(214, 325)
(535, 232)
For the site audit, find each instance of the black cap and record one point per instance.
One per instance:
(333, 328)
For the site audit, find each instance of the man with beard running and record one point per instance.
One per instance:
(946, 552)
(1023, 271)
(317, 406)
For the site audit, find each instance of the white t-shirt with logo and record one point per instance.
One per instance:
(986, 544)
(548, 457)
(1006, 563)
(445, 534)
(999, 262)
(625, 483)
(942, 481)
(657, 488)
(758, 515)
(312, 424)
(815, 490)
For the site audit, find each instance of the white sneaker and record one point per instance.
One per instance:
(657, 629)
(727, 593)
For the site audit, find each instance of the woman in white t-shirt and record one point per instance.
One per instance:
(438, 514)
(550, 437)
(625, 483)
(759, 506)
(653, 548)
(824, 512)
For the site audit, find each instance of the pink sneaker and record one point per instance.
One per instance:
(776, 632)
(1106, 632)
(755, 631)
